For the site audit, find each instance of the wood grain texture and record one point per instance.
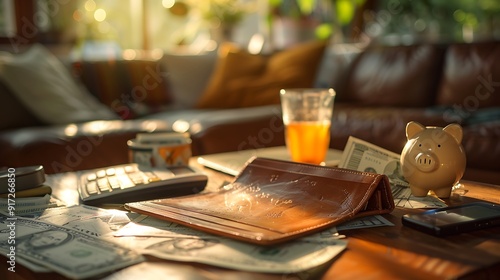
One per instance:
(395, 252)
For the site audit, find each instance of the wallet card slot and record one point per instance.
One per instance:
(212, 224)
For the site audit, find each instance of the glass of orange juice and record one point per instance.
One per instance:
(307, 114)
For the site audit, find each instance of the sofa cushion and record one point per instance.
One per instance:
(241, 79)
(401, 76)
(45, 87)
(335, 67)
(189, 75)
(132, 88)
(471, 78)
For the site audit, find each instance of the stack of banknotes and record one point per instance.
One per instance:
(83, 241)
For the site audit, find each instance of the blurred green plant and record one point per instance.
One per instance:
(340, 13)
(450, 17)
(229, 12)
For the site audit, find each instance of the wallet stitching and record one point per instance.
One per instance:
(387, 194)
(337, 169)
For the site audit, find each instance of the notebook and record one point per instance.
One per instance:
(233, 162)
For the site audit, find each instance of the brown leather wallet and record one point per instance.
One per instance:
(272, 201)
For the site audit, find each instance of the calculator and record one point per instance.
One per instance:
(131, 183)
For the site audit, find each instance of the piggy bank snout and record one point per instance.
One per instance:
(426, 161)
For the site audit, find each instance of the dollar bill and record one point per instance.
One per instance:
(27, 201)
(288, 258)
(29, 205)
(87, 219)
(169, 241)
(365, 222)
(33, 266)
(64, 250)
(147, 226)
(364, 156)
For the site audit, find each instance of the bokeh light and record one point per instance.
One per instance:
(90, 5)
(100, 15)
(168, 3)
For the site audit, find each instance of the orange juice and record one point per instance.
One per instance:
(308, 141)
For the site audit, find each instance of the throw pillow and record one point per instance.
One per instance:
(44, 85)
(241, 79)
(189, 75)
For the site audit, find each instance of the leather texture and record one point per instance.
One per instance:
(273, 201)
(399, 76)
(471, 77)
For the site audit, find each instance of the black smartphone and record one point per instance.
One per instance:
(455, 219)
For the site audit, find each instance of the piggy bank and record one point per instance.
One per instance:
(433, 158)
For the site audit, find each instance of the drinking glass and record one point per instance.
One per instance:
(307, 114)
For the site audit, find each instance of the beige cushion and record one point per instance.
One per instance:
(189, 75)
(44, 85)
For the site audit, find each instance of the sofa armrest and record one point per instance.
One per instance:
(72, 147)
(98, 144)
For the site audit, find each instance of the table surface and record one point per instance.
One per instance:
(394, 252)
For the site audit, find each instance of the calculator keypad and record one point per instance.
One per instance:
(113, 179)
(124, 183)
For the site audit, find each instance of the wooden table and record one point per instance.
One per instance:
(385, 253)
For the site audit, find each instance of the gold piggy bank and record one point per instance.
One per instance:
(433, 158)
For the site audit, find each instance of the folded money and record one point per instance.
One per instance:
(66, 251)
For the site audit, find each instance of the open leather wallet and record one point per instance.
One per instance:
(272, 201)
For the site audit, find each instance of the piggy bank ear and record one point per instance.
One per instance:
(413, 128)
(454, 130)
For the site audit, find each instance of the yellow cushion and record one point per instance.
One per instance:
(241, 79)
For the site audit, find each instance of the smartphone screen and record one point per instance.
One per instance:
(454, 220)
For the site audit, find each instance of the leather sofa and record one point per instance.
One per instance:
(380, 88)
